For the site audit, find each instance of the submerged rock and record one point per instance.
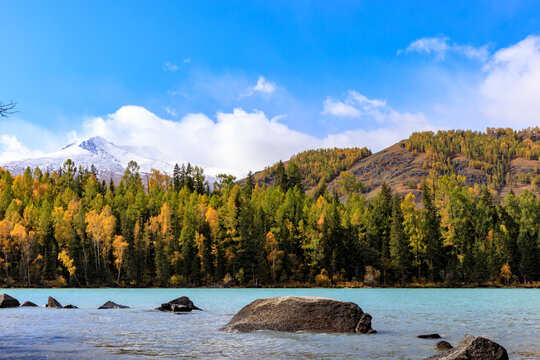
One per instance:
(53, 303)
(7, 301)
(112, 305)
(70, 306)
(443, 345)
(28, 303)
(181, 304)
(473, 348)
(297, 313)
(429, 336)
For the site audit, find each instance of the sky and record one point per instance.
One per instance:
(235, 86)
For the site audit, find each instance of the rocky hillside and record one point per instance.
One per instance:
(502, 159)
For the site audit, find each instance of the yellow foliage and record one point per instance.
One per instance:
(64, 258)
(506, 272)
(119, 249)
(322, 279)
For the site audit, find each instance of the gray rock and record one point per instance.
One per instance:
(364, 325)
(429, 336)
(297, 313)
(112, 305)
(473, 348)
(7, 301)
(181, 304)
(70, 306)
(28, 303)
(443, 346)
(53, 303)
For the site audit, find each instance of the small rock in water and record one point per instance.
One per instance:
(181, 304)
(473, 348)
(429, 336)
(70, 306)
(7, 301)
(112, 305)
(53, 303)
(28, 303)
(443, 345)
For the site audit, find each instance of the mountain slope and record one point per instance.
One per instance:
(502, 159)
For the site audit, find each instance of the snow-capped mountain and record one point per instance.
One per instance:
(109, 159)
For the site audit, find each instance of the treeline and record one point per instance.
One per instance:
(317, 166)
(67, 228)
(490, 151)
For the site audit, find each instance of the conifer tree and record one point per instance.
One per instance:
(399, 243)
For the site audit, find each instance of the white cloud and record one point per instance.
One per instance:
(339, 108)
(354, 105)
(263, 86)
(381, 126)
(170, 67)
(235, 142)
(440, 47)
(509, 93)
(171, 111)
(11, 149)
(187, 60)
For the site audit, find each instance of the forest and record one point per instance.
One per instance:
(69, 229)
(490, 151)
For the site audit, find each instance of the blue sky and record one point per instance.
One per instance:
(286, 75)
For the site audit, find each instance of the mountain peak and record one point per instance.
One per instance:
(95, 145)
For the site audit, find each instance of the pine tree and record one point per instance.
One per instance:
(281, 176)
(176, 178)
(529, 264)
(293, 176)
(399, 244)
(248, 187)
(431, 224)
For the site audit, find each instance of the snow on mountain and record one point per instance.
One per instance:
(109, 159)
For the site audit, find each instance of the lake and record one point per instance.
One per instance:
(510, 317)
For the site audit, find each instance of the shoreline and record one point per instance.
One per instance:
(430, 286)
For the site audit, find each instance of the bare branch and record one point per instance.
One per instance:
(7, 108)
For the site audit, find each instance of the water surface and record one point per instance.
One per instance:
(508, 316)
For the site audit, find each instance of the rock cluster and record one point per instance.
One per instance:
(306, 313)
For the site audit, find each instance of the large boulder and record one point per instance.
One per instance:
(297, 313)
(7, 301)
(181, 304)
(112, 305)
(53, 303)
(473, 348)
(28, 303)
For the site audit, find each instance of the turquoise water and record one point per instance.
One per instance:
(510, 317)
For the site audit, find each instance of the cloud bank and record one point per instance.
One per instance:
(504, 93)
(235, 142)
